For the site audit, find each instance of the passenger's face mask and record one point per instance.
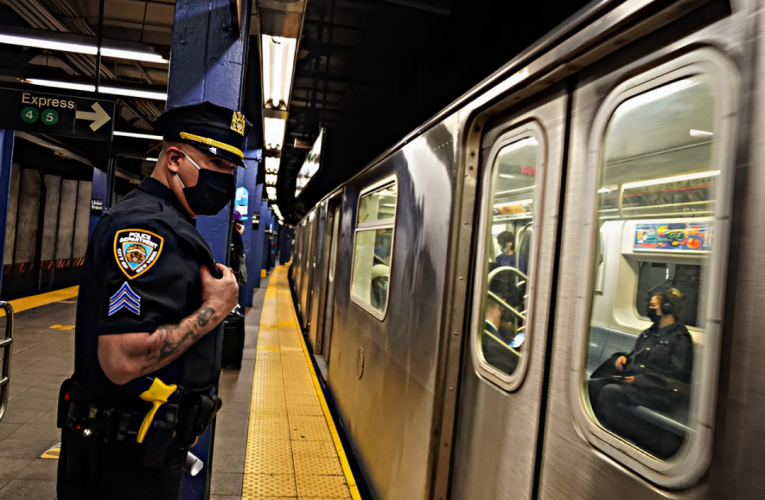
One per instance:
(212, 191)
(653, 315)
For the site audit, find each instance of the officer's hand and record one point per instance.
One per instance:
(220, 294)
(620, 362)
(629, 379)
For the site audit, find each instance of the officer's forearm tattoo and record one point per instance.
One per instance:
(173, 340)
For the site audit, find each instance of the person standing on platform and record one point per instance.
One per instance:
(238, 258)
(151, 293)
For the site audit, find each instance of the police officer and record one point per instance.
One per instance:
(151, 296)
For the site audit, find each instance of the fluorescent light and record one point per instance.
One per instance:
(271, 179)
(514, 203)
(271, 191)
(150, 159)
(138, 136)
(274, 132)
(700, 133)
(675, 178)
(278, 65)
(42, 43)
(133, 55)
(146, 94)
(528, 141)
(272, 164)
(388, 205)
(61, 85)
(655, 94)
(507, 176)
(604, 190)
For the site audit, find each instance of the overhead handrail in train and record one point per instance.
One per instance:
(491, 335)
(7, 353)
(514, 311)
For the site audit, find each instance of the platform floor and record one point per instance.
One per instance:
(274, 439)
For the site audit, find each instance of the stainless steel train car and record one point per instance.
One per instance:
(550, 289)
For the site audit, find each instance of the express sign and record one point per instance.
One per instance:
(56, 115)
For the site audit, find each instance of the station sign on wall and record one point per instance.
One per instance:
(54, 114)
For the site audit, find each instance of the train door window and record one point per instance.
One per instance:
(373, 250)
(663, 143)
(503, 282)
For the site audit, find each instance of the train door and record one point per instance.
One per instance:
(319, 281)
(639, 315)
(325, 334)
(501, 383)
(305, 285)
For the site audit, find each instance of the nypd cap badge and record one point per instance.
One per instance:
(136, 250)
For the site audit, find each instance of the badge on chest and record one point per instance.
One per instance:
(136, 250)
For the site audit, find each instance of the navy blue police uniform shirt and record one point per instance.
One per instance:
(141, 272)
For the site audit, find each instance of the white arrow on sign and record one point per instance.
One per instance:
(99, 117)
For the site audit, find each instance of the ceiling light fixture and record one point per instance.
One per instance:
(674, 178)
(146, 94)
(272, 165)
(138, 136)
(133, 55)
(274, 133)
(42, 43)
(271, 179)
(278, 66)
(61, 85)
(148, 158)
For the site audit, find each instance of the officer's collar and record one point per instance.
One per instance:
(153, 187)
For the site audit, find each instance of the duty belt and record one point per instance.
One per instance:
(181, 420)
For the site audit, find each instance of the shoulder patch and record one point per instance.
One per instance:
(136, 250)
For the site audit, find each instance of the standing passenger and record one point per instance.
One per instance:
(150, 294)
(508, 257)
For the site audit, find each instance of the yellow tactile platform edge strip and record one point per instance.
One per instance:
(286, 454)
(43, 299)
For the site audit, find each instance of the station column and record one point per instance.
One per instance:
(208, 59)
(6, 168)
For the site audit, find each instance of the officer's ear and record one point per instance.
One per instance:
(173, 156)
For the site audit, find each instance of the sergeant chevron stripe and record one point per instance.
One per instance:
(125, 298)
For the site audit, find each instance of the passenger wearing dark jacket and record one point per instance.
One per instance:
(656, 374)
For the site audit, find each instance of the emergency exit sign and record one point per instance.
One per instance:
(53, 114)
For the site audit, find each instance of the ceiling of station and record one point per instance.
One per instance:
(371, 71)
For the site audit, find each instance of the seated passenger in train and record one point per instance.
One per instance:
(497, 337)
(508, 257)
(656, 374)
(379, 291)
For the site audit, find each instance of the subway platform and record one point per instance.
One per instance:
(274, 438)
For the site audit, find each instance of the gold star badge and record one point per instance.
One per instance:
(237, 122)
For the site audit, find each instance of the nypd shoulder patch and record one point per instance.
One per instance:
(125, 298)
(136, 250)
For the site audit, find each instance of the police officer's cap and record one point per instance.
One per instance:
(213, 129)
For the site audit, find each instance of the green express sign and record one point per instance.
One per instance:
(44, 113)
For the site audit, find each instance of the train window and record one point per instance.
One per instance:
(503, 285)
(373, 250)
(658, 190)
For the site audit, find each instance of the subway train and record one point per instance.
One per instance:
(589, 213)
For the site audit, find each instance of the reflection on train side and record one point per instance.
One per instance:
(505, 295)
(655, 203)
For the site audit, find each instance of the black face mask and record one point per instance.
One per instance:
(211, 193)
(654, 316)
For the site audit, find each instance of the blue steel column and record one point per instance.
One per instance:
(207, 63)
(248, 181)
(6, 166)
(102, 184)
(254, 264)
